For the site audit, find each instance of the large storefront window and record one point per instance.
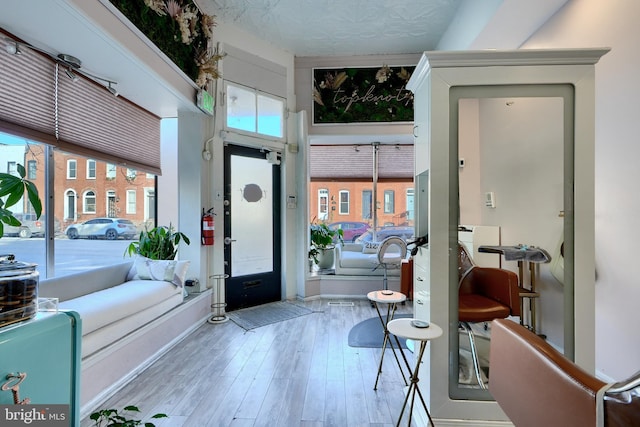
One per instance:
(89, 197)
(342, 178)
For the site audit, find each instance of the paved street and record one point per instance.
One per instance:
(70, 255)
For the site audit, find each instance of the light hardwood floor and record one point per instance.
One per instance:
(300, 372)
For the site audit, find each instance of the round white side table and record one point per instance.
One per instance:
(404, 328)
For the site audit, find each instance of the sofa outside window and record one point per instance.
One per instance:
(360, 259)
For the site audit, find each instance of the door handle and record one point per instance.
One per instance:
(228, 240)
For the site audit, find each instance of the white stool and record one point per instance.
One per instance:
(392, 299)
(404, 328)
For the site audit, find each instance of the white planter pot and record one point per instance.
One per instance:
(326, 258)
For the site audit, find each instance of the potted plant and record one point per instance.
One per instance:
(14, 187)
(111, 417)
(322, 244)
(159, 243)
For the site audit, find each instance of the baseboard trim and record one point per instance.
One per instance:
(342, 286)
(464, 423)
(332, 297)
(421, 419)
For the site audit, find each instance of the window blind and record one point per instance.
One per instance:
(91, 121)
(26, 94)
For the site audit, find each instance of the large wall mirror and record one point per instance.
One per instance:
(511, 189)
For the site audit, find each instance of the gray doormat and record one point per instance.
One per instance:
(369, 333)
(266, 314)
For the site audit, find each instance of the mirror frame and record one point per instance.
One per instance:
(567, 94)
(436, 73)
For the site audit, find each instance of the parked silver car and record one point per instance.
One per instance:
(30, 226)
(405, 233)
(102, 228)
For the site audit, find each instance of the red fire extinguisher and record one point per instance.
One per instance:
(208, 227)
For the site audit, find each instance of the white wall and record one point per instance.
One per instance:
(594, 23)
(470, 198)
(180, 188)
(190, 200)
(513, 148)
(168, 181)
(292, 259)
(469, 21)
(526, 175)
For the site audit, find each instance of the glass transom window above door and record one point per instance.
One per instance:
(253, 112)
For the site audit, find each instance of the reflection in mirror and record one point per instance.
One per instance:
(512, 183)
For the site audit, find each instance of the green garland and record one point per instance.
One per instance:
(164, 32)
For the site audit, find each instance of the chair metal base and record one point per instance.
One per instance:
(474, 353)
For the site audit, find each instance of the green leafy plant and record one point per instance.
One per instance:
(322, 237)
(14, 188)
(158, 243)
(180, 31)
(111, 417)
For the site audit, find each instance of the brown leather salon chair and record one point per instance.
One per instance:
(484, 294)
(536, 385)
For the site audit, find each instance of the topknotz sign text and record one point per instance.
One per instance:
(362, 95)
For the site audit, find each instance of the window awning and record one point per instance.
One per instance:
(355, 162)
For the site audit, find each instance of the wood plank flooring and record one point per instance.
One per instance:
(300, 372)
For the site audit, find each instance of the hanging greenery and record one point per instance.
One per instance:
(180, 31)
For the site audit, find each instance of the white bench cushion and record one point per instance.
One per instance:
(100, 308)
(350, 259)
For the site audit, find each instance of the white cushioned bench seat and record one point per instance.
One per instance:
(130, 314)
(112, 313)
(352, 259)
(357, 260)
(110, 303)
(103, 307)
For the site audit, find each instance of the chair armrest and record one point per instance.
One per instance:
(534, 384)
(495, 283)
(622, 403)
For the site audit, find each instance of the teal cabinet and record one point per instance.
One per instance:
(47, 349)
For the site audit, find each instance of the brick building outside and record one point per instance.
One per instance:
(87, 188)
(341, 183)
(334, 201)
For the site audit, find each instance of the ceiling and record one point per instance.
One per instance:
(340, 27)
(318, 28)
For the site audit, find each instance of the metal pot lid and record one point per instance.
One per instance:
(9, 265)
